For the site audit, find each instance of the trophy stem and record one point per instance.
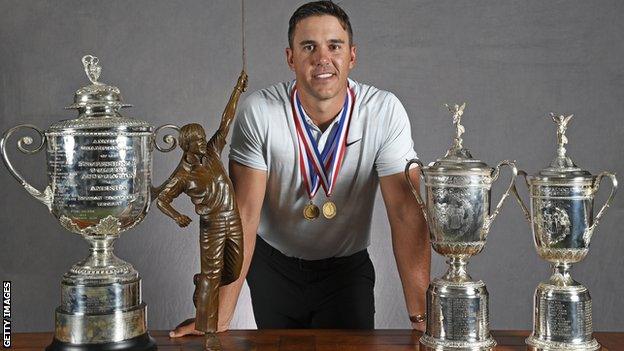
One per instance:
(102, 250)
(457, 272)
(561, 275)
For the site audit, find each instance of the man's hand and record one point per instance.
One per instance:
(183, 220)
(185, 328)
(419, 326)
(188, 328)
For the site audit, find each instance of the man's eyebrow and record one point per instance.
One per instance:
(336, 41)
(306, 42)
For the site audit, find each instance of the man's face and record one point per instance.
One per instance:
(321, 56)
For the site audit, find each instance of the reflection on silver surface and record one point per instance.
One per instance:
(99, 185)
(562, 219)
(458, 213)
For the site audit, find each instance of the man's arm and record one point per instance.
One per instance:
(410, 240)
(249, 187)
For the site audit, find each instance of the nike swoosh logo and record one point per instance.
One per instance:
(353, 142)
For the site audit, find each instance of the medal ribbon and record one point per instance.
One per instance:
(321, 168)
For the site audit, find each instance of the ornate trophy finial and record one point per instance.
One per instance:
(92, 69)
(457, 111)
(562, 125)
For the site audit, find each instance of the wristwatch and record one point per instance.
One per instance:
(419, 318)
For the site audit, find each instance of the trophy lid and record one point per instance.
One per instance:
(98, 104)
(96, 94)
(459, 158)
(562, 167)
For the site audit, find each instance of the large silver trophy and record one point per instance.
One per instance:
(458, 213)
(561, 215)
(99, 172)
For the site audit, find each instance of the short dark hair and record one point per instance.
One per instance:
(319, 8)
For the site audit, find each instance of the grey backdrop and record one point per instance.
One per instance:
(177, 61)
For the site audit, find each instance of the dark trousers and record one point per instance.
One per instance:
(290, 293)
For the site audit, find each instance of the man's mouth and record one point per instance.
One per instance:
(323, 75)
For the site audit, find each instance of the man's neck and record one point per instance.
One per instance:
(322, 112)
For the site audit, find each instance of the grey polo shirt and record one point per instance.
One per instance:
(379, 144)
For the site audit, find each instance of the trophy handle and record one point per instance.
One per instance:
(495, 174)
(414, 190)
(596, 185)
(514, 190)
(170, 143)
(47, 195)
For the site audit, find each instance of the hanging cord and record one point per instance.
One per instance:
(243, 34)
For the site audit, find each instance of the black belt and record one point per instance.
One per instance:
(308, 265)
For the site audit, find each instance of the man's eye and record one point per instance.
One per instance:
(308, 47)
(334, 47)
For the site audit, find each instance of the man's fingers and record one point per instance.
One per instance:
(184, 329)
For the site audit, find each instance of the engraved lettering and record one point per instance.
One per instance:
(108, 176)
(121, 187)
(105, 141)
(103, 147)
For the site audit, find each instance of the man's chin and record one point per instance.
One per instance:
(326, 93)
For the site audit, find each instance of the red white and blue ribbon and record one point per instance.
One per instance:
(321, 168)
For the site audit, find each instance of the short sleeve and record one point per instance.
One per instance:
(397, 146)
(249, 135)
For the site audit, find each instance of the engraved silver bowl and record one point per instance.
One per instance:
(99, 185)
(562, 219)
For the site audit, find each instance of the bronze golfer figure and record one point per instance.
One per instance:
(202, 177)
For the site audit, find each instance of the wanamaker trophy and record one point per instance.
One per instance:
(99, 173)
(561, 215)
(457, 209)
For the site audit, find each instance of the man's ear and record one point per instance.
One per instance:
(290, 59)
(353, 53)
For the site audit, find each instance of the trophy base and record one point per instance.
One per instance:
(141, 343)
(457, 317)
(428, 343)
(535, 344)
(102, 311)
(563, 319)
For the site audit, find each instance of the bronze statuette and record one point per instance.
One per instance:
(202, 177)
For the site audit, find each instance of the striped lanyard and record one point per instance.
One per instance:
(321, 167)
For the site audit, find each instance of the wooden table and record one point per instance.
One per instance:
(313, 340)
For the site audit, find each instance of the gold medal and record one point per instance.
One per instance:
(311, 211)
(329, 210)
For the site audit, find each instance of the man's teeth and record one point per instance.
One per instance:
(324, 75)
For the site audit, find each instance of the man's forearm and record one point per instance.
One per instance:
(410, 239)
(228, 295)
(413, 256)
(249, 185)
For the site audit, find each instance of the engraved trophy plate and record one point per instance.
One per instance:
(99, 185)
(562, 220)
(457, 209)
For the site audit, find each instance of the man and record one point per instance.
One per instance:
(322, 141)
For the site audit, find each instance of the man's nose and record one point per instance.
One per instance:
(322, 56)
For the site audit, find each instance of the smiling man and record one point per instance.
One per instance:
(306, 160)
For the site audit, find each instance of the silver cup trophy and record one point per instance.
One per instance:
(457, 210)
(99, 173)
(561, 216)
